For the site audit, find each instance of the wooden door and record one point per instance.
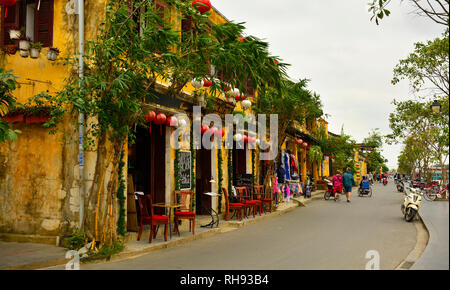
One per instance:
(203, 178)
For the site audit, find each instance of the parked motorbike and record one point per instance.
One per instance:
(411, 203)
(400, 185)
(331, 192)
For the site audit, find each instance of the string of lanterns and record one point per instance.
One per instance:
(161, 119)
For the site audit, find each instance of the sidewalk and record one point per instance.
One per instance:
(435, 216)
(38, 256)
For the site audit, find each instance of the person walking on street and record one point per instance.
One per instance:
(349, 182)
(337, 184)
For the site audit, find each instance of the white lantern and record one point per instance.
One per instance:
(234, 92)
(246, 104)
(198, 84)
(258, 141)
(182, 123)
(237, 137)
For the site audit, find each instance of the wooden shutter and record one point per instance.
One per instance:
(11, 20)
(43, 27)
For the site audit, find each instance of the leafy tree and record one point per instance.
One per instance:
(375, 160)
(429, 129)
(135, 47)
(293, 102)
(435, 10)
(7, 102)
(428, 62)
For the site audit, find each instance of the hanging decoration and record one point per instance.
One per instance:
(202, 6)
(246, 104)
(172, 121)
(198, 84)
(240, 98)
(238, 137)
(7, 3)
(150, 117)
(160, 120)
(204, 129)
(299, 141)
(305, 145)
(207, 83)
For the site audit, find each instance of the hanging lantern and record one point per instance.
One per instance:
(246, 104)
(202, 6)
(245, 138)
(257, 141)
(299, 141)
(252, 140)
(240, 98)
(207, 83)
(160, 120)
(7, 3)
(150, 117)
(172, 121)
(223, 133)
(204, 129)
(305, 145)
(237, 137)
(234, 92)
(182, 123)
(198, 84)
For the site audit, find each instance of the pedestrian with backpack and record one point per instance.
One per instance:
(348, 182)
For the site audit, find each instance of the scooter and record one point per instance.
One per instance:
(330, 190)
(411, 203)
(400, 186)
(385, 181)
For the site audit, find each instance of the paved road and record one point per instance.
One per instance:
(323, 235)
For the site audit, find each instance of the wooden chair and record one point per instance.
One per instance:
(237, 207)
(184, 198)
(245, 198)
(260, 194)
(148, 218)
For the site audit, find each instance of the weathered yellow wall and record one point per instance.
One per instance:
(39, 173)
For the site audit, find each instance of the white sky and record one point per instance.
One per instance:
(348, 58)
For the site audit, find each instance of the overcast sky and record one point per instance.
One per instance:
(348, 58)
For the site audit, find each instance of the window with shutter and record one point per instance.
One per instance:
(10, 21)
(32, 17)
(44, 22)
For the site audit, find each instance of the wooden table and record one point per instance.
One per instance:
(169, 207)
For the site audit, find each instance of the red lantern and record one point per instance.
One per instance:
(245, 139)
(172, 121)
(240, 98)
(252, 140)
(202, 5)
(223, 133)
(7, 3)
(299, 141)
(160, 120)
(207, 83)
(204, 129)
(150, 117)
(305, 145)
(242, 39)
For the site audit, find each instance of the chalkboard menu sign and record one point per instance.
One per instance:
(185, 170)
(243, 180)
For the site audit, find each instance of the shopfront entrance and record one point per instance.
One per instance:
(146, 162)
(203, 178)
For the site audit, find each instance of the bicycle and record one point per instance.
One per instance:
(433, 192)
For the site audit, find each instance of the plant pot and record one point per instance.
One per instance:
(14, 34)
(34, 52)
(24, 53)
(24, 45)
(52, 55)
(11, 49)
(15, 118)
(36, 119)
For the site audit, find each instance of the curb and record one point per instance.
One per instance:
(127, 254)
(423, 236)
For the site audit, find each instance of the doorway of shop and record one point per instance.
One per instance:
(146, 162)
(203, 177)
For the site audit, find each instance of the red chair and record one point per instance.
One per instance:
(237, 207)
(185, 211)
(260, 195)
(245, 198)
(148, 218)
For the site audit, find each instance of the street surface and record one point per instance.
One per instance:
(322, 235)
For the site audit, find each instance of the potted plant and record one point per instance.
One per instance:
(52, 53)
(24, 43)
(35, 49)
(14, 32)
(11, 49)
(15, 115)
(42, 109)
